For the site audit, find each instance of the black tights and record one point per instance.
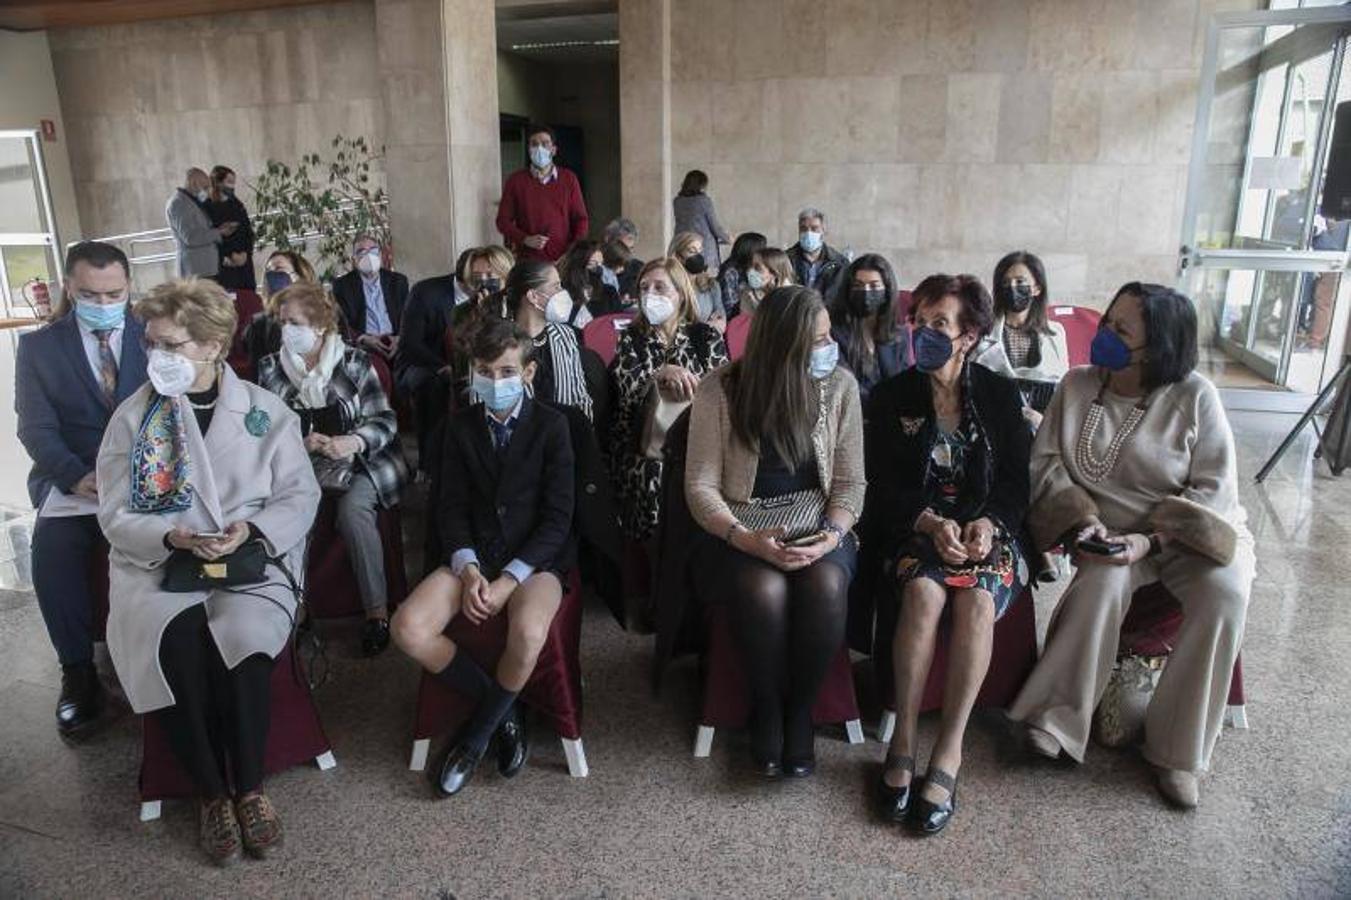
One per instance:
(788, 626)
(218, 713)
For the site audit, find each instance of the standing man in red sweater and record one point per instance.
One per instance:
(542, 212)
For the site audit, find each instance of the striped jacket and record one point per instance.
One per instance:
(357, 388)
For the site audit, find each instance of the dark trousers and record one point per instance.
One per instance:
(218, 723)
(62, 548)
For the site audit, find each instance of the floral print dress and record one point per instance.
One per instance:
(637, 480)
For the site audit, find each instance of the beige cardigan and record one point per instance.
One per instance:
(719, 468)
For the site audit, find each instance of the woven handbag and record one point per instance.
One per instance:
(798, 514)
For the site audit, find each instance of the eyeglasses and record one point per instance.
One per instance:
(167, 346)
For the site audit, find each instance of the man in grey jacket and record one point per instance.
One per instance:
(197, 240)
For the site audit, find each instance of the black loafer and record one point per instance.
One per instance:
(894, 802)
(374, 637)
(928, 818)
(457, 769)
(799, 768)
(513, 743)
(81, 698)
(766, 768)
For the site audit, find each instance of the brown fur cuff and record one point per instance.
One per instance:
(1052, 516)
(1196, 527)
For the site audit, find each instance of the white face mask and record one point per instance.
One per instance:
(202, 195)
(299, 339)
(369, 262)
(657, 309)
(171, 374)
(559, 308)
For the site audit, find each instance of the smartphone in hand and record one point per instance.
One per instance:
(1102, 548)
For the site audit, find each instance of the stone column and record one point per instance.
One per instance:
(645, 121)
(469, 41)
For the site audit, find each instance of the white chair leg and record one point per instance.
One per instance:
(326, 761)
(853, 729)
(577, 767)
(1236, 717)
(418, 761)
(150, 810)
(703, 741)
(886, 726)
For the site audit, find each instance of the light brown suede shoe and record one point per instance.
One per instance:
(1042, 743)
(1179, 788)
(259, 825)
(220, 838)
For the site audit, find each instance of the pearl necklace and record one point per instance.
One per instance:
(1095, 469)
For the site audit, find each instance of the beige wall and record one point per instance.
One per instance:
(27, 96)
(939, 132)
(469, 43)
(145, 101)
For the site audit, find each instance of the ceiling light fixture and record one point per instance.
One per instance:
(561, 45)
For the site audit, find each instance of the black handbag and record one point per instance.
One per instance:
(185, 573)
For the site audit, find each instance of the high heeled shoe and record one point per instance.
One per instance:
(894, 802)
(927, 818)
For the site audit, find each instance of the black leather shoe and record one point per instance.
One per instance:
(799, 768)
(766, 768)
(374, 637)
(513, 743)
(456, 770)
(81, 698)
(894, 802)
(928, 818)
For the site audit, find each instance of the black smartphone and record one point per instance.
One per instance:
(806, 540)
(1102, 548)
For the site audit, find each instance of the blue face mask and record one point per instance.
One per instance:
(276, 281)
(824, 359)
(498, 394)
(933, 349)
(100, 316)
(540, 157)
(811, 241)
(1109, 351)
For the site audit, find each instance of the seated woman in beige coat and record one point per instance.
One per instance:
(774, 475)
(195, 465)
(1134, 464)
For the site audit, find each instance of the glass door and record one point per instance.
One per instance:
(1265, 223)
(30, 251)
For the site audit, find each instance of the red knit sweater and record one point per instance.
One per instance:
(555, 209)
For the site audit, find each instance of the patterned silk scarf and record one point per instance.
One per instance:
(159, 460)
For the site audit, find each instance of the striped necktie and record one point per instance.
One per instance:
(107, 365)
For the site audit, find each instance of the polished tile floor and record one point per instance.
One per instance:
(1275, 817)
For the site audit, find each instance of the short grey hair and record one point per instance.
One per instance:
(619, 227)
(811, 212)
(364, 236)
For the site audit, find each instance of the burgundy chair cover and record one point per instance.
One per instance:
(1080, 325)
(1151, 626)
(247, 305)
(554, 690)
(1011, 661)
(602, 334)
(726, 701)
(330, 586)
(294, 736)
(737, 331)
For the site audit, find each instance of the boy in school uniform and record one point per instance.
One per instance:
(506, 508)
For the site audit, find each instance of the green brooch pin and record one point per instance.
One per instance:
(257, 421)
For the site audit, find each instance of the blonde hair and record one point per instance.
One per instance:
(499, 259)
(199, 305)
(686, 312)
(776, 261)
(680, 248)
(318, 304)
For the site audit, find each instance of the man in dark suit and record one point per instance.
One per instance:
(69, 377)
(372, 299)
(505, 512)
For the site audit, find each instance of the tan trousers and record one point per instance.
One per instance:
(1187, 711)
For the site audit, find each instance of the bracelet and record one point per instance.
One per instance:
(827, 525)
(731, 530)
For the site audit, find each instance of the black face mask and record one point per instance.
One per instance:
(695, 263)
(490, 285)
(864, 301)
(1015, 297)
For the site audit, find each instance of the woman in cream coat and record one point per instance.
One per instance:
(1136, 452)
(198, 462)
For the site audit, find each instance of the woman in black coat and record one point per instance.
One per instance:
(948, 453)
(236, 251)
